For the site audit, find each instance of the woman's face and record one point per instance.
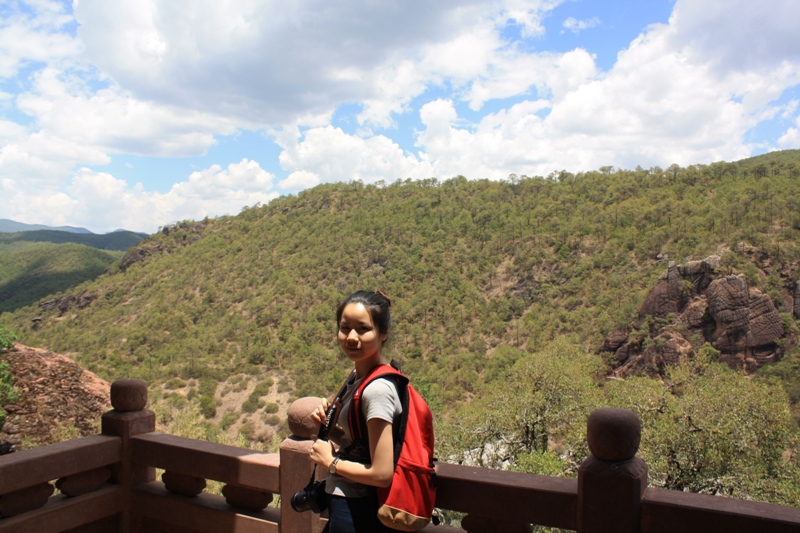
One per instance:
(358, 337)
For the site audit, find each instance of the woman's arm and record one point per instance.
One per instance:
(381, 446)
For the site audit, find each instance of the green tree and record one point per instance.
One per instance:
(712, 430)
(545, 401)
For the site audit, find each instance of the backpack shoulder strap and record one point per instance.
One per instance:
(355, 417)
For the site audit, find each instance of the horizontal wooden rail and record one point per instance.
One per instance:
(155, 509)
(510, 496)
(228, 464)
(40, 465)
(62, 513)
(669, 510)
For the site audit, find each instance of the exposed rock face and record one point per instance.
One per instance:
(729, 305)
(63, 303)
(739, 321)
(677, 285)
(183, 234)
(133, 256)
(55, 395)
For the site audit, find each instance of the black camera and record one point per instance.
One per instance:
(313, 497)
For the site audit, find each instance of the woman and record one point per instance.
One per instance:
(363, 320)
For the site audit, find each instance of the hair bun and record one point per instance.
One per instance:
(383, 295)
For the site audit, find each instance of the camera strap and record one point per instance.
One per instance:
(337, 402)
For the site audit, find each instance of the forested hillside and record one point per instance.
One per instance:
(30, 271)
(37, 263)
(504, 293)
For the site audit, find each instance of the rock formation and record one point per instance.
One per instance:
(57, 398)
(182, 234)
(692, 304)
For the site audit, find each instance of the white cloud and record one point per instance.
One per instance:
(75, 126)
(168, 78)
(552, 75)
(791, 137)
(280, 61)
(332, 155)
(299, 180)
(663, 101)
(34, 36)
(109, 120)
(247, 176)
(576, 26)
(742, 36)
(101, 202)
(527, 13)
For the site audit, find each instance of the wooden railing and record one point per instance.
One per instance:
(107, 483)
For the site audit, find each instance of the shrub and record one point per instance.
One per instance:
(250, 405)
(228, 419)
(208, 406)
(175, 383)
(7, 338)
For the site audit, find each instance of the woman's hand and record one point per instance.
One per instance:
(322, 453)
(318, 414)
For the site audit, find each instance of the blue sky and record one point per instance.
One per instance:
(119, 114)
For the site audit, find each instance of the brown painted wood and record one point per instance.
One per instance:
(669, 511)
(46, 463)
(106, 525)
(62, 513)
(206, 513)
(512, 496)
(208, 460)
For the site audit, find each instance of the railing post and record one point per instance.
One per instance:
(127, 419)
(296, 466)
(612, 479)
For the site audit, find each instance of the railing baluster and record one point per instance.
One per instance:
(83, 482)
(24, 500)
(245, 498)
(182, 484)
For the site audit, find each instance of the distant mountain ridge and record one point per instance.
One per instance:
(12, 226)
(116, 241)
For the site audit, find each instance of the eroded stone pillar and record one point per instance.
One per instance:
(612, 480)
(129, 418)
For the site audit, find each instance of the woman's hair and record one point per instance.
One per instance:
(377, 305)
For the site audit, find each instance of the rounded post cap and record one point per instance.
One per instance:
(613, 434)
(301, 424)
(129, 394)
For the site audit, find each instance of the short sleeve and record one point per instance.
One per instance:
(380, 400)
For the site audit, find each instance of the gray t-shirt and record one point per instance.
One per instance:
(379, 400)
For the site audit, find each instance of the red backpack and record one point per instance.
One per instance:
(406, 504)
